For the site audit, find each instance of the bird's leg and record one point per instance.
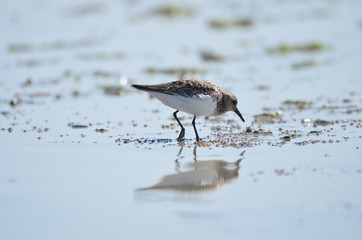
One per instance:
(182, 133)
(193, 124)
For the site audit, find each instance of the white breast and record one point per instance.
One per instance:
(199, 105)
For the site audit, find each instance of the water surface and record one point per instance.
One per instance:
(84, 156)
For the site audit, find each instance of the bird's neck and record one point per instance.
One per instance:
(221, 105)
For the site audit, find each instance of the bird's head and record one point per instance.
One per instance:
(231, 103)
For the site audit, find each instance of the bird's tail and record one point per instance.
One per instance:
(150, 88)
(141, 87)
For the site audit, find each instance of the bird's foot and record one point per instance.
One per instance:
(181, 137)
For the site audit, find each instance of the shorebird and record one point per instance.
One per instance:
(196, 97)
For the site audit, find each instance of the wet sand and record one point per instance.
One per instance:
(85, 156)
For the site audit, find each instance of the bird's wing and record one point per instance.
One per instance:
(186, 88)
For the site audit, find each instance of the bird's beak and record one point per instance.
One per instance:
(239, 114)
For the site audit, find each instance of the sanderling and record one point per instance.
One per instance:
(199, 98)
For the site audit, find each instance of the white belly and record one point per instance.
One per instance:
(200, 105)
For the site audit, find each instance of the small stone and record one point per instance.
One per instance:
(14, 102)
(28, 82)
(286, 138)
(101, 130)
(76, 93)
(249, 129)
(320, 122)
(306, 120)
(77, 126)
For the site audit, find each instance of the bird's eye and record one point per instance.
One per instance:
(235, 102)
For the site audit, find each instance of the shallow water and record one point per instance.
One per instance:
(84, 156)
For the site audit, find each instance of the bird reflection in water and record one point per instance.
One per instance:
(200, 176)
